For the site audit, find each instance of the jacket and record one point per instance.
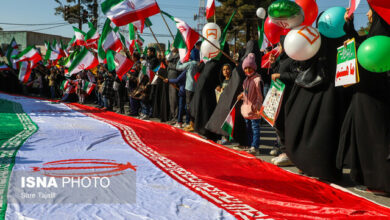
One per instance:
(253, 98)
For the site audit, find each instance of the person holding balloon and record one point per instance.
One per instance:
(365, 135)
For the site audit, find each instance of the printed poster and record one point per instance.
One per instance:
(271, 105)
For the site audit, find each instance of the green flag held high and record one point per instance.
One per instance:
(222, 41)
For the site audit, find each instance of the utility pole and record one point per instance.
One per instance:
(79, 15)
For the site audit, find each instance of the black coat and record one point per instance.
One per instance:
(204, 101)
(313, 116)
(229, 97)
(365, 136)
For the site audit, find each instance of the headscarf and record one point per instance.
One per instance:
(379, 26)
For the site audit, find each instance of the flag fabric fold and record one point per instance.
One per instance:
(122, 12)
(210, 8)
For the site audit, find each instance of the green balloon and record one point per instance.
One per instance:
(283, 9)
(373, 54)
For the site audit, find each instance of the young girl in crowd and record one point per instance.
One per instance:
(252, 101)
(226, 73)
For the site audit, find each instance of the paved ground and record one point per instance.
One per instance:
(268, 139)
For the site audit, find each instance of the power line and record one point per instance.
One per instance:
(33, 24)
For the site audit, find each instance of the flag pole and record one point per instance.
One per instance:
(215, 18)
(167, 26)
(225, 54)
(154, 36)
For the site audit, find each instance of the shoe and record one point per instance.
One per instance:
(185, 125)
(239, 147)
(172, 122)
(282, 161)
(189, 128)
(274, 152)
(253, 150)
(178, 125)
(223, 141)
(145, 117)
(104, 108)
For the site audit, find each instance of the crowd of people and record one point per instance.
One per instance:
(321, 128)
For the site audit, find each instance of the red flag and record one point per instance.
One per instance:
(353, 6)
(210, 8)
(382, 8)
(265, 63)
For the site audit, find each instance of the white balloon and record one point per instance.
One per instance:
(260, 12)
(211, 31)
(302, 43)
(208, 50)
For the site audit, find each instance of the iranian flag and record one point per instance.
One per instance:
(92, 36)
(12, 51)
(88, 87)
(228, 125)
(85, 60)
(120, 63)
(65, 84)
(122, 12)
(140, 40)
(24, 72)
(353, 4)
(71, 43)
(52, 54)
(146, 71)
(210, 8)
(184, 41)
(110, 39)
(28, 54)
(79, 37)
(4, 67)
(265, 62)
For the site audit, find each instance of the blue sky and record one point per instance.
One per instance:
(42, 11)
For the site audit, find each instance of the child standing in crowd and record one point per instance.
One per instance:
(225, 78)
(252, 101)
(226, 73)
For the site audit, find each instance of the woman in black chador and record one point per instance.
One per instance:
(365, 137)
(229, 97)
(314, 113)
(204, 101)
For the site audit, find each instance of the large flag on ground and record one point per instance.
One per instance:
(188, 36)
(28, 54)
(24, 72)
(210, 8)
(353, 4)
(85, 60)
(122, 12)
(110, 39)
(88, 87)
(228, 124)
(79, 37)
(161, 181)
(12, 51)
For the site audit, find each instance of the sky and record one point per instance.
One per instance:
(32, 12)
